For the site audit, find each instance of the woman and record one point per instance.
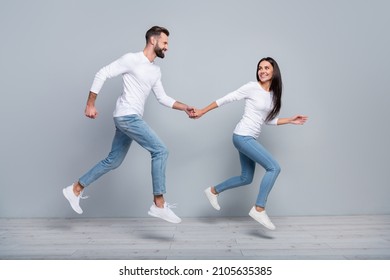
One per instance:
(262, 105)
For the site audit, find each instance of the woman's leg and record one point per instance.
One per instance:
(247, 171)
(256, 152)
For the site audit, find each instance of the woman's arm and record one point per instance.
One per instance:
(201, 112)
(236, 95)
(298, 119)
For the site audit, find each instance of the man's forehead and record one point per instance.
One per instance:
(163, 36)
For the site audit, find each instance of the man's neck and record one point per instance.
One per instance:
(150, 53)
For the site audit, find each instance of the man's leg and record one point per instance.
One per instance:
(119, 148)
(137, 129)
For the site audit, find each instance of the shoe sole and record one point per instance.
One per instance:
(156, 216)
(68, 199)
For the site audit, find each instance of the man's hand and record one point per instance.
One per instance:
(90, 109)
(190, 112)
(91, 112)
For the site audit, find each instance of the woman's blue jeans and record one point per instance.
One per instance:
(252, 152)
(129, 128)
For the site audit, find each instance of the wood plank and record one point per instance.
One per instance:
(309, 237)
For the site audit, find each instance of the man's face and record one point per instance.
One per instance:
(161, 45)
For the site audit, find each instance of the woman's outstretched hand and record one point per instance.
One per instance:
(298, 119)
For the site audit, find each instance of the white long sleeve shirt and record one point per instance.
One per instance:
(140, 76)
(258, 104)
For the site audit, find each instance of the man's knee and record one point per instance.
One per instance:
(112, 163)
(161, 152)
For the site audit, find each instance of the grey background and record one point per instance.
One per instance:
(334, 59)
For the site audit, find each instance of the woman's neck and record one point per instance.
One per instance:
(266, 85)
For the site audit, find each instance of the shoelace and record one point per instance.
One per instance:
(169, 205)
(83, 197)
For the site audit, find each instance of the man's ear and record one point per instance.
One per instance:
(153, 40)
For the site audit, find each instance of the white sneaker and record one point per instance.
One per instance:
(213, 198)
(262, 218)
(73, 199)
(164, 213)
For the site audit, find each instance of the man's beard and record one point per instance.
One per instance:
(159, 52)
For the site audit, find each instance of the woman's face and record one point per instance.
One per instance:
(265, 71)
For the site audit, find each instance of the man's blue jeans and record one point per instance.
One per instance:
(252, 152)
(129, 128)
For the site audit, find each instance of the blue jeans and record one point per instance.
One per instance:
(252, 152)
(129, 128)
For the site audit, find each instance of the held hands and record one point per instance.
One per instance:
(198, 113)
(190, 111)
(194, 113)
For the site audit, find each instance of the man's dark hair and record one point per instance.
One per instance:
(155, 31)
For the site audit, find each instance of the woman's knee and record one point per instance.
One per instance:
(276, 168)
(246, 179)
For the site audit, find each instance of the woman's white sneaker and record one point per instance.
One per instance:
(213, 198)
(262, 218)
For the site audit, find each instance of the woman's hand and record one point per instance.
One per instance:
(298, 119)
(198, 113)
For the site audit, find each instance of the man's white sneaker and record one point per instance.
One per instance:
(164, 213)
(262, 218)
(73, 199)
(213, 198)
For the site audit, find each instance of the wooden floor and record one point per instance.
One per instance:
(303, 238)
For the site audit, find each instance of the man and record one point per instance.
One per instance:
(140, 76)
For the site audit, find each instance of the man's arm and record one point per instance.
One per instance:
(90, 109)
(119, 66)
(183, 107)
